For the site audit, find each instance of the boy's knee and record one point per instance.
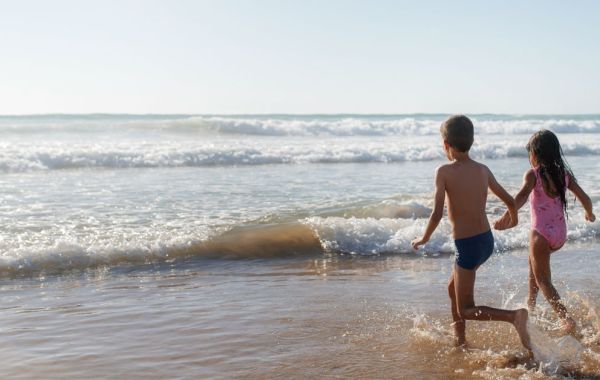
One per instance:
(466, 311)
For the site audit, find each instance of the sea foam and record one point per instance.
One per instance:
(291, 125)
(21, 157)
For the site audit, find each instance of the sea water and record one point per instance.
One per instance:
(236, 214)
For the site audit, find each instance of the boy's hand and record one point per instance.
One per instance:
(417, 242)
(504, 222)
(590, 217)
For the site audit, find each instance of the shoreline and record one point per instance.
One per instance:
(377, 316)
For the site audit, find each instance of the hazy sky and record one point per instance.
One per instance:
(299, 56)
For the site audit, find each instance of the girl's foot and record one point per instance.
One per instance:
(568, 326)
(531, 305)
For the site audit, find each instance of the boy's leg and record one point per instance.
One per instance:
(539, 256)
(533, 289)
(464, 283)
(458, 323)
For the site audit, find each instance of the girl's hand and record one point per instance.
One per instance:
(504, 222)
(590, 217)
(418, 241)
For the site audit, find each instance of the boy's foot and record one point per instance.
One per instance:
(460, 339)
(568, 326)
(520, 323)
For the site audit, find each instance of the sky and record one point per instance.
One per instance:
(301, 57)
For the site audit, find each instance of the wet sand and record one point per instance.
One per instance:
(326, 316)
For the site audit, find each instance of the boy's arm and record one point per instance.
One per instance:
(438, 210)
(520, 199)
(585, 200)
(508, 200)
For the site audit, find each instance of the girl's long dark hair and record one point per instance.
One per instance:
(550, 158)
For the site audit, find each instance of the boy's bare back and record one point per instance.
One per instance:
(466, 184)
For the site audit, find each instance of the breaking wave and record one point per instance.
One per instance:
(21, 157)
(291, 125)
(384, 228)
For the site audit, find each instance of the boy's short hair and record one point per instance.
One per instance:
(457, 130)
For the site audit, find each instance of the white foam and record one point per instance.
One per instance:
(431, 330)
(388, 208)
(554, 353)
(69, 246)
(123, 141)
(20, 156)
(292, 125)
(373, 236)
(370, 235)
(79, 243)
(391, 126)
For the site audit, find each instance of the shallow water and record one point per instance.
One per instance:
(333, 316)
(268, 247)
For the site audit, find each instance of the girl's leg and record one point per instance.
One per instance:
(458, 322)
(539, 258)
(533, 288)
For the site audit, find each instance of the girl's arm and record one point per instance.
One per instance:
(585, 200)
(526, 188)
(438, 210)
(520, 199)
(510, 217)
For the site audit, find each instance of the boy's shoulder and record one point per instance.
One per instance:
(452, 166)
(479, 164)
(443, 169)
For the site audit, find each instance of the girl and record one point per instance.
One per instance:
(547, 182)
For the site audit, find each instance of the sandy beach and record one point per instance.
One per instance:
(314, 316)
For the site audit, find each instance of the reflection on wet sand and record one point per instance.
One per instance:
(323, 315)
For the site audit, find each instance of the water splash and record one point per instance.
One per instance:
(555, 354)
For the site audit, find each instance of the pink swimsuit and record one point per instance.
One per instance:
(547, 215)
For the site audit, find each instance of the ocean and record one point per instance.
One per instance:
(270, 246)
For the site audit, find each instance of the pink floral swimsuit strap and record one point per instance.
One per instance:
(547, 215)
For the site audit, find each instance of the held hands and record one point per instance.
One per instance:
(505, 222)
(418, 241)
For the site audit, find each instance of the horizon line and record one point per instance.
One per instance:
(176, 114)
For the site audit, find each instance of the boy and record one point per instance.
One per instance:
(465, 183)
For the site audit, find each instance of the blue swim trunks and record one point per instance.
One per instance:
(473, 251)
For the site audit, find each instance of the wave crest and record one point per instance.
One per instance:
(54, 156)
(401, 126)
(290, 125)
